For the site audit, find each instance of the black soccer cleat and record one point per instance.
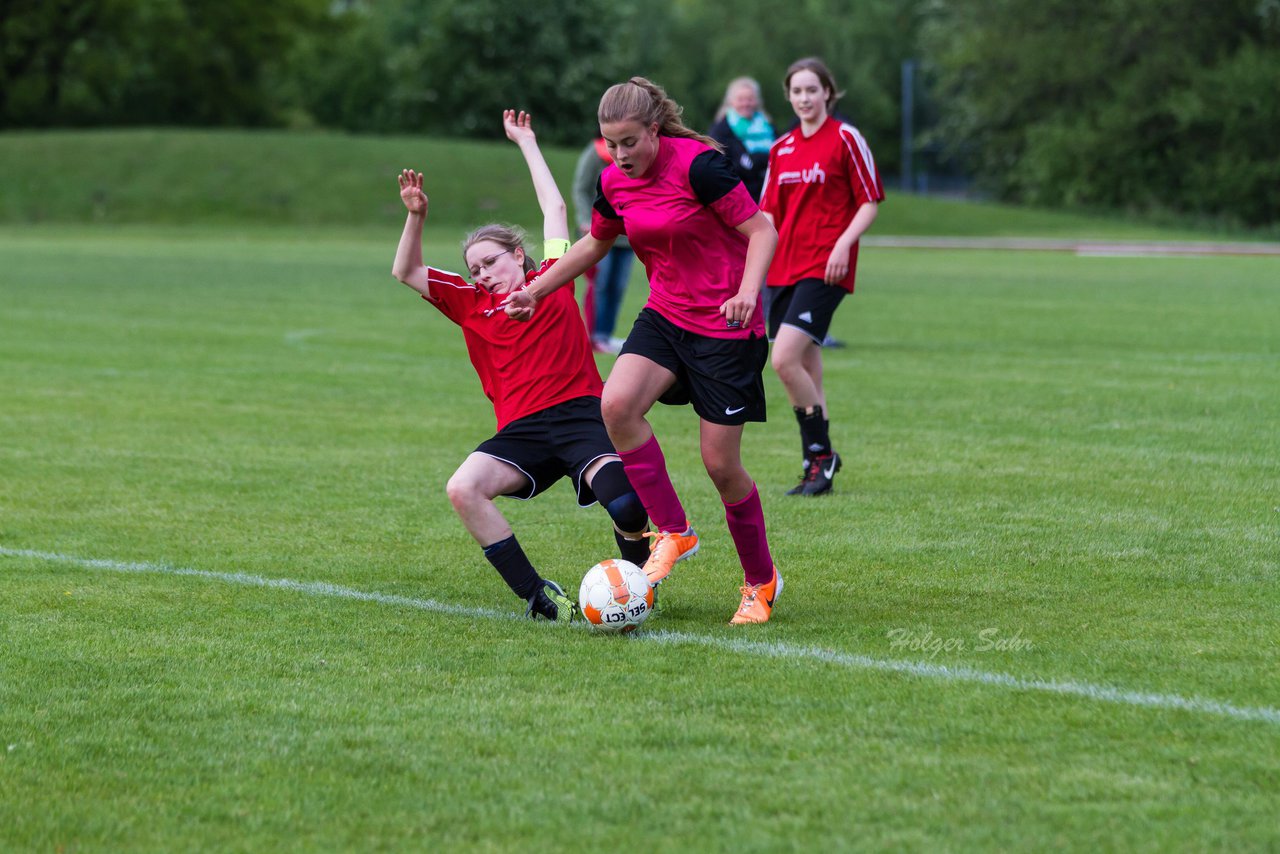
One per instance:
(804, 475)
(551, 603)
(819, 475)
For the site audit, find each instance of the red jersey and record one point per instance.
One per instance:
(813, 188)
(523, 367)
(681, 218)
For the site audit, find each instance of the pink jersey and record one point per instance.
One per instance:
(812, 190)
(681, 217)
(523, 367)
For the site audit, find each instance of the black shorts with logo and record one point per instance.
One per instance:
(721, 377)
(808, 305)
(559, 441)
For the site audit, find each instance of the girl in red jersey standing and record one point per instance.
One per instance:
(540, 376)
(821, 192)
(700, 338)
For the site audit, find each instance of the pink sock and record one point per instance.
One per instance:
(746, 525)
(647, 470)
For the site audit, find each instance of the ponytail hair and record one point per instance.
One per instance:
(646, 102)
(819, 68)
(509, 237)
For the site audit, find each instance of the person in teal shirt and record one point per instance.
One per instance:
(746, 133)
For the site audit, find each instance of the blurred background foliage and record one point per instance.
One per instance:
(1137, 105)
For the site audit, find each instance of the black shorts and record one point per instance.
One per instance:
(721, 377)
(808, 305)
(560, 441)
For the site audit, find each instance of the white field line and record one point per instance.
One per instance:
(312, 588)
(767, 649)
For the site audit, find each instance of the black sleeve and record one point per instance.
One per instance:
(712, 176)
(721, 132)
(602, 204)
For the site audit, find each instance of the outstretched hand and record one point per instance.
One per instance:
(411, 192)
(519, 127)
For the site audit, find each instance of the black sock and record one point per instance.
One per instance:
(634, 551)
(814, 435)
(513, 565)
(804, 450)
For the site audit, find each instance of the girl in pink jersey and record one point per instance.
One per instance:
(699, 339)
(821, 192)
(540, 377)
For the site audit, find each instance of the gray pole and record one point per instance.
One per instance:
(908, 115)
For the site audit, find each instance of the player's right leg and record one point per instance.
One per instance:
(472, 489)
(635, 384)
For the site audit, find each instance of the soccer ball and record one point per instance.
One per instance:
(615, 596)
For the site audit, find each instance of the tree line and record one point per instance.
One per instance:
(1132, 104)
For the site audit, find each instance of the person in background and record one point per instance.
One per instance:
(746, 133)
(821, 193)
(608, 285)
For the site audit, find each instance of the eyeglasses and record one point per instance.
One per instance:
(486, 264)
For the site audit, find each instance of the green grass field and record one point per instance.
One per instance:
(238, 613)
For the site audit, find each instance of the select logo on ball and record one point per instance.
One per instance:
(615, 596)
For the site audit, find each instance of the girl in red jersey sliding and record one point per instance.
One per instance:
(821, 192)
(699, 339)
(540, 376)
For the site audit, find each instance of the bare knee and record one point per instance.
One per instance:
(623, 420)
(613, 409)
(787, 362)
(463, 492)
(728, 475)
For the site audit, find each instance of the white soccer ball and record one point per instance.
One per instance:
(615, 596)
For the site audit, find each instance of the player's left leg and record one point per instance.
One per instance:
(722, 455)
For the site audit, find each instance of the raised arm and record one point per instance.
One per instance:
(519, 128)
(408, 266)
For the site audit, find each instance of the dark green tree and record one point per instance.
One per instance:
(863, 43)
(1137, 104)
(183, 62)
(455, 64)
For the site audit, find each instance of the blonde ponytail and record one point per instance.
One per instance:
(646, 102)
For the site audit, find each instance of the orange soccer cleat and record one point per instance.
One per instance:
(757, 601)
(666, 551)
